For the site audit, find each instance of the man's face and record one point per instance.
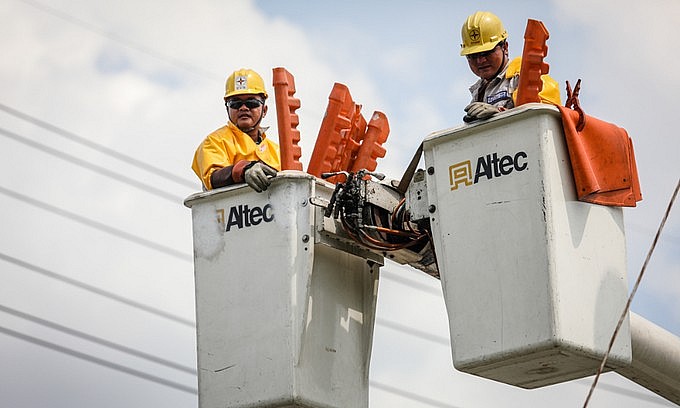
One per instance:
(246, 110)
(486, 64)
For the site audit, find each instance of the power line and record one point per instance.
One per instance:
(124, 41)
(98, 169)
(394, 326)
(410, 395)
(98, 361)
(412, 284)
(178, 386)
(383, 322)
(631, 393)
(413, 332)
(624, 313)
(98, 340)
(97, 291)
(97, 225)
(100, 148)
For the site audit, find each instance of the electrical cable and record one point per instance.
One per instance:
(97, 225)
(444, 341)
(624, 314)
(98, 147)
(127, 370)
(147, 188)
(97, 291)
(653, 398)
(413, 332)
(410, 283)
(410, 395)
(97, 340)
(98, 361)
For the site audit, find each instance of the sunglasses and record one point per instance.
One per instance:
(483, 54)
(250, 103)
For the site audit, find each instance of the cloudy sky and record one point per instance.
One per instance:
(103, 104)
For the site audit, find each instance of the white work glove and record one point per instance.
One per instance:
(256, 176)
(479, 110)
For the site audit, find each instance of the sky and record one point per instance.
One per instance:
(103, 104)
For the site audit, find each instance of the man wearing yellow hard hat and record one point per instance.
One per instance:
(485, 46)
(240, 151)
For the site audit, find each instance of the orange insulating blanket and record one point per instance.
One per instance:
(602, 160)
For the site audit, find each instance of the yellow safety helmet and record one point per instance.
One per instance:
(481, 32)
(244, 81)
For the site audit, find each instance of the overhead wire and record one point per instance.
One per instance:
(626, 309)
(444, 341)
(163, 173)
(97, 225)
(160, 380)
(53, 275)
(98, 361)
(411, 283)
(97, 291)
(97, 340)
(410, 395)
(147, 188)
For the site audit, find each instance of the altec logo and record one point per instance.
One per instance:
(489, 166)
(242, 216)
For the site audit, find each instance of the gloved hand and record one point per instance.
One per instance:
(255, 175)
(479, 110)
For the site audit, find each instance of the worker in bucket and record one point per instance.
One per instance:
(240, 151)
(485, 45)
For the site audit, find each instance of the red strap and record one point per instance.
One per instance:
(238, 170)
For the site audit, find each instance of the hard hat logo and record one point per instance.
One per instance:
(475, 37)
(241, 82)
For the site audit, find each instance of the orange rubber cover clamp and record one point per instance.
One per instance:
(371, 148)
(352, 141)
(335, 125)
(287, 119)
(532, 67)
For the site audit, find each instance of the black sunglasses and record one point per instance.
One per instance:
(250, 103)
(484, 54)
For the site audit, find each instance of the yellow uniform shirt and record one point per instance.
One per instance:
(227, 146)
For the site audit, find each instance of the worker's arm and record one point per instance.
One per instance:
(228, 175)
(254, 173)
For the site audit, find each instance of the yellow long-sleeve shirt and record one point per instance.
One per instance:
(227, 146)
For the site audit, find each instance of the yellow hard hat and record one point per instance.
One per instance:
(245, 81)
(481, 32)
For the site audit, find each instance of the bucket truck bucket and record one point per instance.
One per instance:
(284, 316)
(534, 280)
